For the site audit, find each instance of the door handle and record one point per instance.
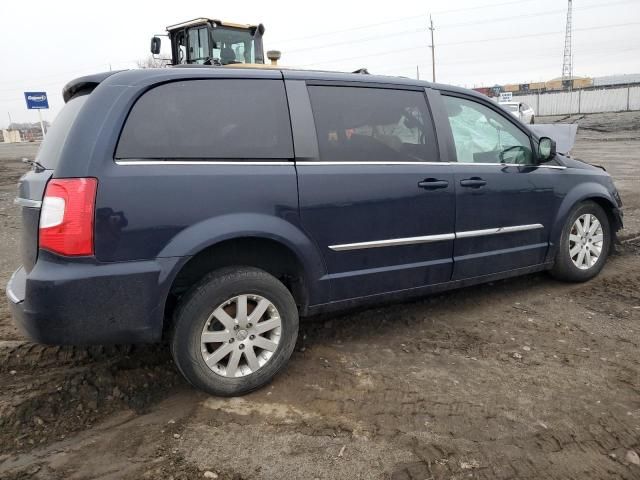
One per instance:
(433, 184)
(473, 182)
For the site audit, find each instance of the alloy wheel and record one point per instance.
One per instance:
(586, 240)
(241, 335)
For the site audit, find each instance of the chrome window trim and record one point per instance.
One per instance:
(557, 167)
(302, 163)
(316, 163)
(498, 230)
(319, 163)
(560, 167)
(25, 202)
(200, 162)
(394, 242)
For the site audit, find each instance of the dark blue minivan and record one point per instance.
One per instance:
(213, 206)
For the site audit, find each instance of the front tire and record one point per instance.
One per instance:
(584, 244)
(234, 331)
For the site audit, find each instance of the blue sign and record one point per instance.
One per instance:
(36, 100)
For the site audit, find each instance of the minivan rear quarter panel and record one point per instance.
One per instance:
(168, 207)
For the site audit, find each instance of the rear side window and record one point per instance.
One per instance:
(357, 124)
(49, 154)
(204, 119)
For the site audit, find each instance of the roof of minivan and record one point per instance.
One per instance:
(150, 76)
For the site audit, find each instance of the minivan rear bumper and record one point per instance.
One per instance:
(85, 302)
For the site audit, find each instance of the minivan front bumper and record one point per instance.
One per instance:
(60, 302)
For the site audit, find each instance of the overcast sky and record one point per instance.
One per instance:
(44, 44)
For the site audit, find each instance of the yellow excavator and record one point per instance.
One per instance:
(205, 41)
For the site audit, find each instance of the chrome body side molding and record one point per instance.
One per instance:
(394, 242)
(497, 231)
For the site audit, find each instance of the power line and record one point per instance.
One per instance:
(471, 61)
(464, 42)
(531, 15)
(550, 64)
(402, 19)
(71, 73)
(445, 26)
(361, 40)
(20, 89)
(481, 7)
(493, 39)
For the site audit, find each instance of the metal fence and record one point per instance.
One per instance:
(584, 101)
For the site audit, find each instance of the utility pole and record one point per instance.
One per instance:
(417, 72)
(41, 124)
(10, 121)
(433, 49)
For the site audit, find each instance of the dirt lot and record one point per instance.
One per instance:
(527, 378)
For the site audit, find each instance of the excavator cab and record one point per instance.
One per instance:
(205, 41)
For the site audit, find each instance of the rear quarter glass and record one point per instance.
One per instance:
(221, 118)
(49, 154)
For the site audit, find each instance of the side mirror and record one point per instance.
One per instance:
(155, 45)
(546, 149)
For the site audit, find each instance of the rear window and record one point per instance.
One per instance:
(49, 154)
(204, 119)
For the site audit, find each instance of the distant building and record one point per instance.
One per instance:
(11, 136)
(557, 84)
(623, 79)
(24, 132)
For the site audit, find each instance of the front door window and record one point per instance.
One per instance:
(482, 135)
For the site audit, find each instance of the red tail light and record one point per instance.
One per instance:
(66, 218)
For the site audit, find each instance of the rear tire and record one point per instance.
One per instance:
(533, 119)
(234, 331)
(582, 252)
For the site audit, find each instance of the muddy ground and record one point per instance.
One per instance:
(526, 378)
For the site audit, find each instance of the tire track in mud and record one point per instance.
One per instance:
(430, 389)
(436, 409)
(50, 392)
(439, 381)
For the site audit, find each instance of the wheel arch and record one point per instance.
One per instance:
(586, 192)
(248, 239)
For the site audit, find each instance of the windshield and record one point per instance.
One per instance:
(229, 46)
(233, 46)
(512, 107)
